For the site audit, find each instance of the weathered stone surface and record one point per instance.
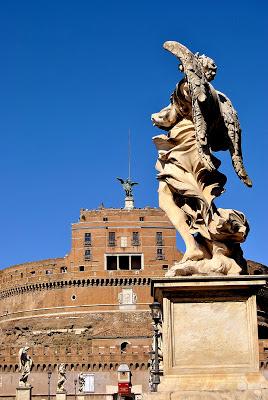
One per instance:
(23, 393)
(218, 331)
(209, 335)
(61, 396)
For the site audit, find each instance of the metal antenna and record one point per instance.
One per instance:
(129, 154)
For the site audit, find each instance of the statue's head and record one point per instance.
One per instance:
(209, 66)
(166, 118)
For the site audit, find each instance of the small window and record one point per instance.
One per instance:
(159, 239)
(48, 272)
(123, 347)
(63, 269)
(32, 272)
(135, 239)
(111, 239)
(105, 219)
(165, 267)
(87, 239)
(21, 275)
(141, 218)
(81, 268)
(160, 254)
(73, 297)
(87, 255)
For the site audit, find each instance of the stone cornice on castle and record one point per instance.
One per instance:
(59, 284)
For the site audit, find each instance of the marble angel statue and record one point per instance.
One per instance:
(25, 365)
(61, 378)
(81, 382)
(200, 121)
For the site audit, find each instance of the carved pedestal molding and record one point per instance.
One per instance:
(210, 338)
(24, 393)
(61, 395)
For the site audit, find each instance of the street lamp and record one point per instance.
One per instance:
(156, 311)
(75, 383)
(49, 373)
(156, 316)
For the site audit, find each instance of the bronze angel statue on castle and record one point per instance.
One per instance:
(200, 121)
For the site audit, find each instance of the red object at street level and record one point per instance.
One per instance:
(124, 388)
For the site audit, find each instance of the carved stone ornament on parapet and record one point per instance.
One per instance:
(127, 296)
(25, 365)
(61, 378)
(199, 121)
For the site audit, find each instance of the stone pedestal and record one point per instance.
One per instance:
(24, 393)
(61, 395)
(129, 203)
(210, 338)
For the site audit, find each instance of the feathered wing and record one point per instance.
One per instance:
(232, 125)
(201, 95)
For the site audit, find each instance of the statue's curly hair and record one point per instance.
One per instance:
(208, 64)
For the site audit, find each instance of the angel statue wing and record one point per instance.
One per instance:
(20, 360)
(232, 125)
(201, 95)
(216, 122)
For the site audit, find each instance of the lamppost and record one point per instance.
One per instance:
(49, 373)
(75, 383)
(156, 316)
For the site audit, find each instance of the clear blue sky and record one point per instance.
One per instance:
(75, 75)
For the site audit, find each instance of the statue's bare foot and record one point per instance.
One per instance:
(195, 253)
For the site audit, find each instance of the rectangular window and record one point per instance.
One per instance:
(87, 255)
(81, 268)
(160, 254)
(89, 386)
(63, 270)
(135, 262)
(135, 239)
(87, 239)
(159, 239)
(141, 218)
(123, 241)
(111, 239)
(124, 262)
(105, 219)
(111, 263)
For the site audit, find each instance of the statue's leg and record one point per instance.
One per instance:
(179, 220)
